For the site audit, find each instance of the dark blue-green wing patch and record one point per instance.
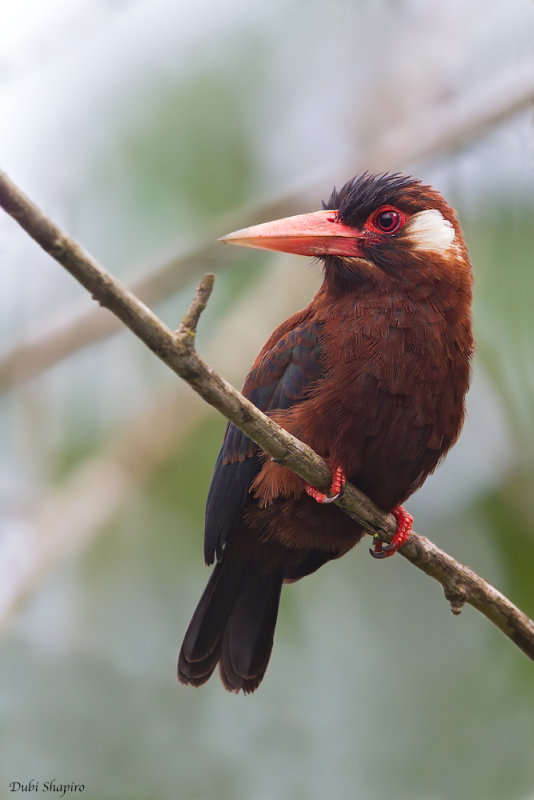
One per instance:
(284, 376)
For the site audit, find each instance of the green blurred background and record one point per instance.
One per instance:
(148, 129)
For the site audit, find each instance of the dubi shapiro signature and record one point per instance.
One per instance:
(61, 789)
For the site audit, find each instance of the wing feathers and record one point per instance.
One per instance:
(284, 373)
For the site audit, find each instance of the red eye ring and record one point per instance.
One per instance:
(388, 219)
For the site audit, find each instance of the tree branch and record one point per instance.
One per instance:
(177, 350)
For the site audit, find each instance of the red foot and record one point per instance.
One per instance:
(404, 526)
(338, 482)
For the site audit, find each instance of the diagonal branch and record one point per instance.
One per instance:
(177, 350)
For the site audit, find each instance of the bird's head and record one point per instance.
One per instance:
(376, 230)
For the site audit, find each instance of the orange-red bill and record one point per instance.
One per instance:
(316, 234)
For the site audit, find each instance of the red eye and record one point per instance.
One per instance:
(388, 219)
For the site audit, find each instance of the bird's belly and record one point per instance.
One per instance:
(396, 451)
(390, 474)
(301, 524)
(388, 442)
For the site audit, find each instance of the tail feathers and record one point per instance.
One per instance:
(234, 622)
(202, 643)
(248, 638)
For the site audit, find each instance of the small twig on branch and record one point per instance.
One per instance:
(461, 585)
(188, 326)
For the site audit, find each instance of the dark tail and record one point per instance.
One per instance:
(233, 624)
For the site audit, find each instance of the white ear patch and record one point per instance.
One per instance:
(429, 230)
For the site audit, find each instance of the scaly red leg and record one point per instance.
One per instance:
(338, 482)
(404, 526)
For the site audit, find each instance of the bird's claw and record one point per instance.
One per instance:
(336, 489)
(404, 526)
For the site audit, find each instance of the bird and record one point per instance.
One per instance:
(372, 374)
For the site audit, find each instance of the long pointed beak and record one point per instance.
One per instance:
(316, 234)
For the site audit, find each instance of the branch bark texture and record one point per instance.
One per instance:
(177, 350)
